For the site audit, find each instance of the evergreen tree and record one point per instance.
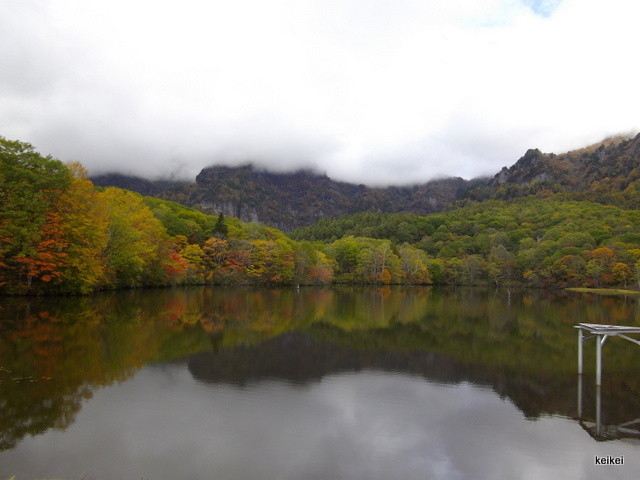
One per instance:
(221, 229)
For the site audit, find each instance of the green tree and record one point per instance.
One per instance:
(622, 273)
(29, 187)
(221, 229)
(272, 261)
(377, 263)
(414, 265)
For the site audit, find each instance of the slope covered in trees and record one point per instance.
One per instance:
(607, 172)
(60, 234)
(534, 240)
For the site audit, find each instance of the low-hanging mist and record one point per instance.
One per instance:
(377, 93)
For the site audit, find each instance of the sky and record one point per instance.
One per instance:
(377, 92)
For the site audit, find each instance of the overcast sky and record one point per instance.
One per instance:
(371, 91)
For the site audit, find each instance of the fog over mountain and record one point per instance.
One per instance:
(377, 92)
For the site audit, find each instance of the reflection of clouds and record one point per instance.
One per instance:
(164, 425)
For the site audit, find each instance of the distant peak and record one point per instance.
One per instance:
(605, 143)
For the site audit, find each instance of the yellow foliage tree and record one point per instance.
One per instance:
(136, 240)
(84, 222)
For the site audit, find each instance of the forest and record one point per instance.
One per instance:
(60, 234)
(540, 241)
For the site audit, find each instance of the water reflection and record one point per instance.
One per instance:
(374, 425)
(599, 430)
(517, 346)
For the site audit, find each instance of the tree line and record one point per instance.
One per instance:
(59, 234)
(540, 241)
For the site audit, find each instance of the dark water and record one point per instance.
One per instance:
(344, 383)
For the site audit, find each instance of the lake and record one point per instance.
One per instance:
(315, 383)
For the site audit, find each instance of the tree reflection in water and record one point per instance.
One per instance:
(54, 352)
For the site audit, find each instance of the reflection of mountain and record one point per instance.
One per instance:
(301, 359)
(55, 352)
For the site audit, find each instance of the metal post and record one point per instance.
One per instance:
(580, 396)
(598, 411)
(580, 340)
(599, 360)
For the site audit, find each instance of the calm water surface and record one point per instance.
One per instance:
(343, 383)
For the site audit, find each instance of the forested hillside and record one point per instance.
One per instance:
(607, 172)
(539, 241)
(59, 234)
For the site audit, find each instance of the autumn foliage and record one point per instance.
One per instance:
(59, 234)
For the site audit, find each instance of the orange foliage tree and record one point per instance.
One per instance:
(49, 258)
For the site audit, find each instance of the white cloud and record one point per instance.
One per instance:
(372, 91)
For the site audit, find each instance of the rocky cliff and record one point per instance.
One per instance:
(608, 172)
(291, 200)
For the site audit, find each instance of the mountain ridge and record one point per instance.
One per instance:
(608, 172)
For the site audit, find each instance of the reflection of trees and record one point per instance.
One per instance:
(303, 358)
(24, 411)
(520, 343)
(55, 352)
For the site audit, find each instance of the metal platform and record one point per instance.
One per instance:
(602, 333)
